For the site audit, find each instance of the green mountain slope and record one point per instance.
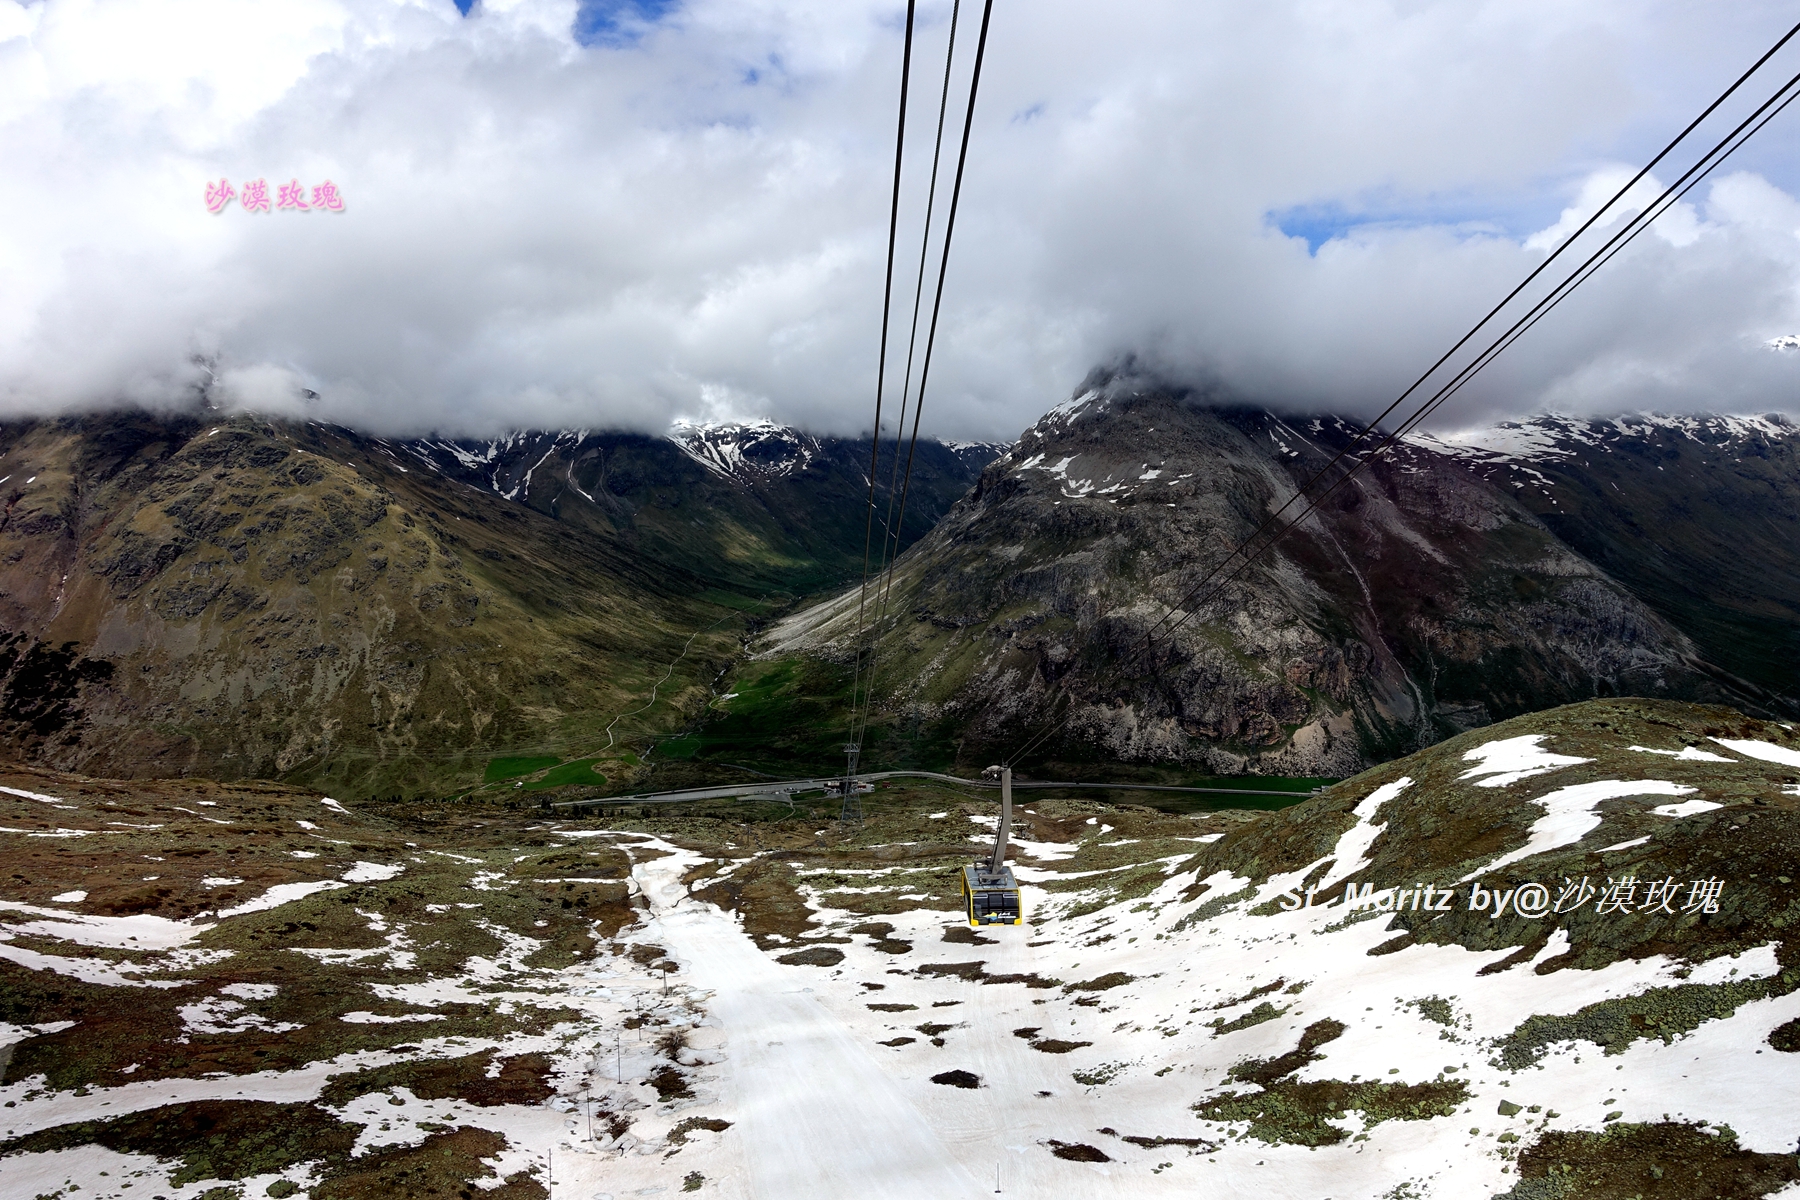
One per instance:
(756, 507)
(237, 597)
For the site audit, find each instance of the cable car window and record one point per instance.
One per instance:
(996, 904)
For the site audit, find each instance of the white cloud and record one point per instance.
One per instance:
(261, 387)
(1676, 225)
(693, 223)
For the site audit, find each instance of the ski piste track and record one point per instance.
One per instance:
(824, 1118)
(787, 787)
(820, 1118)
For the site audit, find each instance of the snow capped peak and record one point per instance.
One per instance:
(1072, 408)
(998, 448)
(737, 449)
(1705, 427)
(1552, 436)
(1788, 341)
(684, 427)
(1538, 438)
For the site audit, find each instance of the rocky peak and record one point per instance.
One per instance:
(1421, 600)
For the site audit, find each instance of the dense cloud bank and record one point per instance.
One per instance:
(618, 214)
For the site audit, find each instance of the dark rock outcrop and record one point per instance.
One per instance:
(1417, 601)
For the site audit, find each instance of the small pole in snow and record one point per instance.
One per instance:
(996, 1179)
(551, 1155)
(590, 1116)
(618, 1058)
(665, 981)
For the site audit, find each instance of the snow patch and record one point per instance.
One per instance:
(1758, 962)
(250, 991)
(25, 795)
(1765, 751)
(1685, 754)
(1352, 849)
(368, 872)
(215, 1015)
(1569, 816)
(1512, 759)
(281, 893)
(56, 833)
(140, 931)
(1686, 808)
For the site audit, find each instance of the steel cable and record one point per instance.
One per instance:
(890, 533)
(1249, 549)
(887, 300)
(937, 304)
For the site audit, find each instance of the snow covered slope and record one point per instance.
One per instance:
(1568, 970)
(1572, 977)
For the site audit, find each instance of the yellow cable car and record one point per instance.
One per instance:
(990, 894)
(991, 897)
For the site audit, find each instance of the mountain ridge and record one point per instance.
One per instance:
(1698, 515)
(1422, 600)
(794, 502)
(236, 596)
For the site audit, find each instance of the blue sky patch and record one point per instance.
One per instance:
(1318, 224)
(618, 22)
(1505, 216)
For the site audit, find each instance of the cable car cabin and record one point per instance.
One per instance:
(992, 897)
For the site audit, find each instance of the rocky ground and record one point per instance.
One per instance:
(221, 991)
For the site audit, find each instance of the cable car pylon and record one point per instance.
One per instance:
(852, 808)
(989, 890)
